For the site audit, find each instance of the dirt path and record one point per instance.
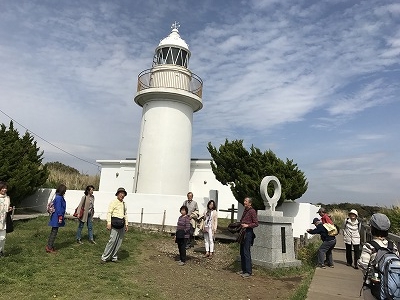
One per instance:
(205, 278)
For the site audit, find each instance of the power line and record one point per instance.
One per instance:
(30, 131)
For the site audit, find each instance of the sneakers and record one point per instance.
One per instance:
(181, 263)
(322, 266)
(92, 242)
(246, 275)
(239, 272)
(79, 241)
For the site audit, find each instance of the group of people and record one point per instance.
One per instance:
(117, 220)
(364, 258)
(351, 237)
(187, 222)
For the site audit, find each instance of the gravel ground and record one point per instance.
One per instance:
(214, 278)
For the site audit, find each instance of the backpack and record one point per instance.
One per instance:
(385, 280)
(333, 229)
(50, 207)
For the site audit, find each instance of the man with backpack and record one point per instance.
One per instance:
(380, 262)
(328, 243)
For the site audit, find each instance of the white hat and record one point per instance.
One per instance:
(353, 211)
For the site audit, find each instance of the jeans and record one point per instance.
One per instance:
(245, 255)
(89, 226)
(182, 249)
(349, 258)
(326, 250)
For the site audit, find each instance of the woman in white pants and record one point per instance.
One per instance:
(210, 227)
(4, 209)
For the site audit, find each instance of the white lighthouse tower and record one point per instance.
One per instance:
(169, 94)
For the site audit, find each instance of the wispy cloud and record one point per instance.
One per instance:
(311, 80)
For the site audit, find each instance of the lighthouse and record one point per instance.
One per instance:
(169, 93)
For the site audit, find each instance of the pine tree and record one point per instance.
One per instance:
(243, 171)
(20, 163)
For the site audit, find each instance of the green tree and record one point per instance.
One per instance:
(20, 163)
(243, 171)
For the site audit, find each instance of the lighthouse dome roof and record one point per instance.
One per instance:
(174, 39)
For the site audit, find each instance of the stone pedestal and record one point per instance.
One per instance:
(274, 244)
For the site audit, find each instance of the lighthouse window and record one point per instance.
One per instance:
(171, 56)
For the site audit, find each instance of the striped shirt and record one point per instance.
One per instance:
(368, 252)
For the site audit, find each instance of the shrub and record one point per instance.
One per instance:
(308, 253)
(394, 216)
(338, 216)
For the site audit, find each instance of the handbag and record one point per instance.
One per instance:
(242, 234)
(117, 223)
(79, 214)
(9, 223)
(180, 234)
(234, 227)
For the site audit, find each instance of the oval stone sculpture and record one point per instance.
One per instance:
(270, 202)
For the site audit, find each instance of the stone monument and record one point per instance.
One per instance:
(274, 243)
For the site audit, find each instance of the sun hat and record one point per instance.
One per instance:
(353, 211)
(315, 220)
(121, 190)
(380, 222)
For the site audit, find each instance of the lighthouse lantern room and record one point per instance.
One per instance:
(169, 93)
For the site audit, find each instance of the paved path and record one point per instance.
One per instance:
(341, 282)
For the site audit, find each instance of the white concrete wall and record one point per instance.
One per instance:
(202, 180)
(303, 214)
(154, 206)
(117, 173)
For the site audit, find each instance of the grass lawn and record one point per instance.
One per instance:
(28, 272)
(146, 268)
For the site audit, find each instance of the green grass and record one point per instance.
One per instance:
(75, 271)
(28, 272)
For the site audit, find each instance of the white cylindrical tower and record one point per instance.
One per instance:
(169, 94)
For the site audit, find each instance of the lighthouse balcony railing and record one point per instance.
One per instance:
(193, 84)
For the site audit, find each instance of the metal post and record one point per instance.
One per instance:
(141, 219)
(163, 222)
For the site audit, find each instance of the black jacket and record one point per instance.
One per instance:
(321, 230)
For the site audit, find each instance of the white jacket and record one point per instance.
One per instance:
(351, 232)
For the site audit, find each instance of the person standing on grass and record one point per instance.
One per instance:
(248, 221)
(193, 213)
(182, 234)
(324, 216)
(87, 202)
(210, 224)
(5, 208)
(117, 223)
(57, 217)
(328, 243)
(351, 237)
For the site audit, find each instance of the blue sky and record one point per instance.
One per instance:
(314, 81)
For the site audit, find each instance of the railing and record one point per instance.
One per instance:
(232, 210)
(195, 84)
(366, 236)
